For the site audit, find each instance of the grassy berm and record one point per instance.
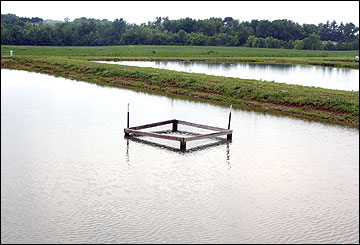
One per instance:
(325, 105)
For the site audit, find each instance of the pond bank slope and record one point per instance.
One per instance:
(331, 106)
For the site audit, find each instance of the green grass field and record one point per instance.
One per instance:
(170, 52)
(332, 106)
(344, 59)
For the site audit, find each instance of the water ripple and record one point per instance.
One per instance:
(68, 175)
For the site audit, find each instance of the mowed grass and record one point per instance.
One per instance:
(333, 106)
(340, 59)
(169, 51)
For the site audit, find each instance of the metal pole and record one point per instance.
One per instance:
(229, 136)
(229, 117)
(128, 115)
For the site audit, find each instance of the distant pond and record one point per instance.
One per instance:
(324, 77)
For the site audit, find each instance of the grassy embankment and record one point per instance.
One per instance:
(340, 59)
(333, 106)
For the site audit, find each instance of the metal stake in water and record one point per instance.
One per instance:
(229, 117)
(128, 115)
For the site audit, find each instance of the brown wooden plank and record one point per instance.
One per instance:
(152, 125)
(162, 136)
(175, 125)
(203, 136)
(182, 146)
(200, 126)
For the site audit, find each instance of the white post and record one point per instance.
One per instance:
(11, 53)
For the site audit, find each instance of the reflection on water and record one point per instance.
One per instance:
(165, 145)
(68, 174)
(324, 77)
(228, 155)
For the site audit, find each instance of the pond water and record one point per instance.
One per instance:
(68, 174)
(324, 77)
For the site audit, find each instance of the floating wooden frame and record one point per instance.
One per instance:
(218, 131)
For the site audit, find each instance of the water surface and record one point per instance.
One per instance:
(324, 77)
(68, 175)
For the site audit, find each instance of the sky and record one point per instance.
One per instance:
(302, 12)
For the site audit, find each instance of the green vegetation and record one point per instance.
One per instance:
(343, 59)
(334, 106)
(186, 31)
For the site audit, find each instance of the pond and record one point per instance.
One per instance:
(324, 77)
(68, 174)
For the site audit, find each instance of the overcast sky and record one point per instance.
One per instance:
(309, 12)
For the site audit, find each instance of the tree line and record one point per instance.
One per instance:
(185, 31)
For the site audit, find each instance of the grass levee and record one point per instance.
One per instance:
(343, 59)
(332, 106)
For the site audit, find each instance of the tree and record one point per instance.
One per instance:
(333, 31)
(355, 44)
(224, 39)
(312, 42)
(227, 21)
(249, 41)
(299, 44)
(198, 39)
(258, 42)
(4, 35)
(340, 32)
(263, 29)
(243, 33)
(271, 42)
(159, 38)
(329, 46)
(324, 31)
(157, 23)
(308, 29)
(186, 31)
(286, 30)
(182, 37)
(187, 24)
(214, 40)
(289, 44)
(350, 31)
(207, 27)
(118, 27)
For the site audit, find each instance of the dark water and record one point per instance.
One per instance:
(324, 77)
(68, 175)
